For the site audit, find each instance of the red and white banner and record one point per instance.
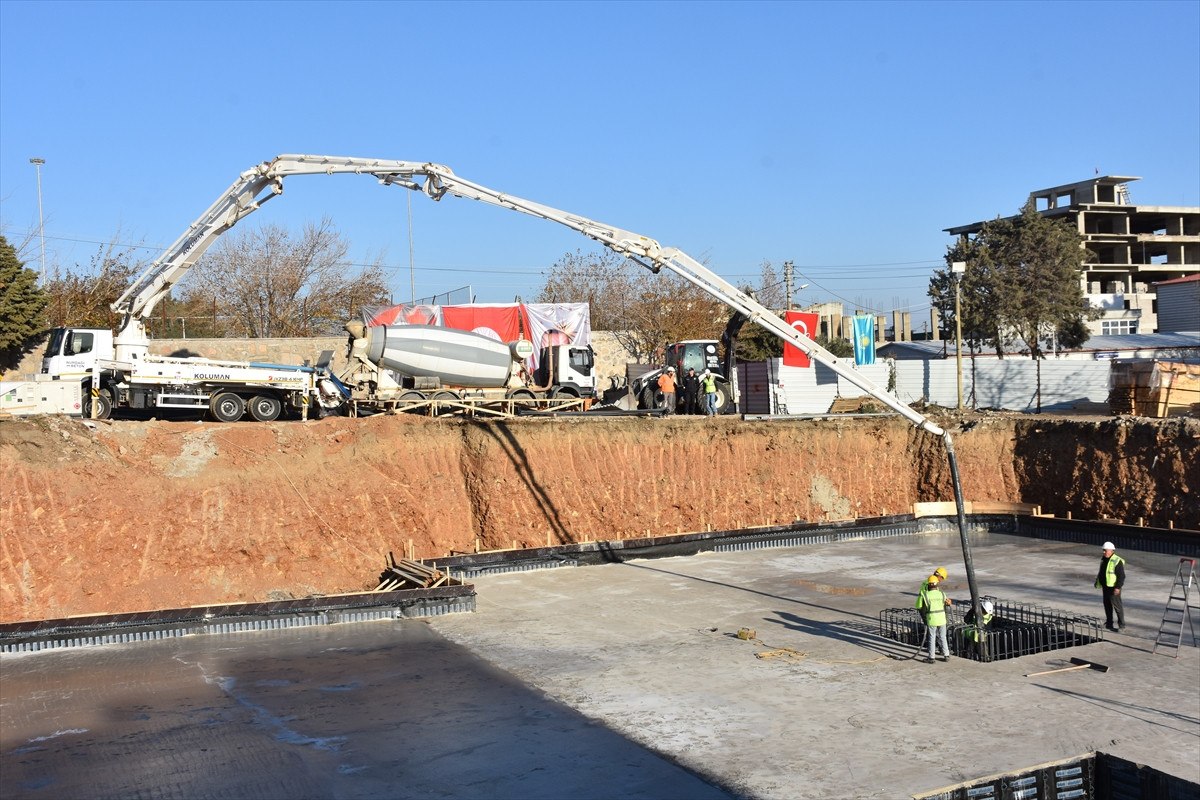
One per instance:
(403, 315)
(809, 325)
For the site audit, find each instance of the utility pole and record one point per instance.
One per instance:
(787, 282)
(958, 268)
(412, 272)
(37, 164)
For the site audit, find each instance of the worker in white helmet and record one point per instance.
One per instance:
(666, 385)
(1110, 579)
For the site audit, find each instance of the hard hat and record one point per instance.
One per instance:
(670, 369)
(941, 573)
(933, 580)
(987, 606)
(1108, 546)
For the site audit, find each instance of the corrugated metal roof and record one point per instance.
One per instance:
(1184, 279)
(1096, 344)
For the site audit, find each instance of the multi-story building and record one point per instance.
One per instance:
(1134, 247)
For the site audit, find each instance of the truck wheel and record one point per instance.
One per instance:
(562, 393)
(408, 399)
(724, 400)
(444, 397)
(104, 404)
(226, 407)
(652, 398)
(525, 399)
(265, 407)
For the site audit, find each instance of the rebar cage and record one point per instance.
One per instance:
(1015, 630)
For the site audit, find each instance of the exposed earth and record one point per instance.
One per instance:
(131, 516)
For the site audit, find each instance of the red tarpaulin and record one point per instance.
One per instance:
(501, 321)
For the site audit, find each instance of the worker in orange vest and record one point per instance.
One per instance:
(666, 385)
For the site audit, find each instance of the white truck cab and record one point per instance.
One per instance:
(71, 353)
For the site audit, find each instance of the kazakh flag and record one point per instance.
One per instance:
(864, 339)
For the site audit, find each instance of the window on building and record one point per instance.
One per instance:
(1118, 327)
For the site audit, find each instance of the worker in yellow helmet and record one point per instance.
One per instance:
(940, 573)
(931, 602)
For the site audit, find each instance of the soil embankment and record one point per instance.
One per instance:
(142, 515)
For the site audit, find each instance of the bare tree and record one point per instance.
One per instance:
(602, 280)
(771, 291)
(644, 311)
(265, 283)
(81, 296)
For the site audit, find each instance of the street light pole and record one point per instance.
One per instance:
(37, 164)
(958, 268)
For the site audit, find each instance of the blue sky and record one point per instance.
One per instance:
(841, 136)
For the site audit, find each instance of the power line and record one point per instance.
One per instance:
(392, 270)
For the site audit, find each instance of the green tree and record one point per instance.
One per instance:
(265, 283)
(1021, 285)
(22, 305)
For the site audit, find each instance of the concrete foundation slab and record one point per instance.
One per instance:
(834, 710)
(621, 680)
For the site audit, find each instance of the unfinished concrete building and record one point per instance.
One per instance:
(1133, 246)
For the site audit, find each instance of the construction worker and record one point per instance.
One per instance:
(1109, 580)
(976, 630)
(666, 385)
(708, 385)
(691, 392)
(940, 573)
(932, 605)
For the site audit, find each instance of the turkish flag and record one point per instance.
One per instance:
(806, 324)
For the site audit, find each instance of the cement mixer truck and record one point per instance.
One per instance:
(411, 367)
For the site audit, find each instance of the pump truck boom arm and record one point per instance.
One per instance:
(257, 185)
(261, 183)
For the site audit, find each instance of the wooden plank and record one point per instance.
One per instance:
(1003, 507)
(939, 509)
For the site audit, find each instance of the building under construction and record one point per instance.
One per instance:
(1135, 246)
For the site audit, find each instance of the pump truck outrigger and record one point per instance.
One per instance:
(261, 183)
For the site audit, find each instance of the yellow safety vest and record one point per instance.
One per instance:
(975, 631)
(932, 604)
(1110, 573)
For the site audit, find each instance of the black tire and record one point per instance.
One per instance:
(408, 399)
(526, 398)
(104, 404)
(444, 397)
(724, 399)
(226, 407)
(265, 407)
(652, 397)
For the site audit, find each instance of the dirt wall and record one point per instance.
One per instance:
(141, 515)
